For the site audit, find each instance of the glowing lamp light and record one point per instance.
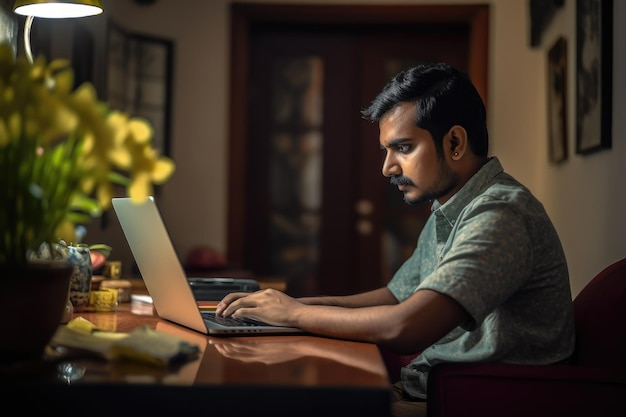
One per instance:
(58, 9)
(53, 9)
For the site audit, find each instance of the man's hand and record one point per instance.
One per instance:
(270, 306)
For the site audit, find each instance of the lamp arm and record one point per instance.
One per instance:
(27, 25)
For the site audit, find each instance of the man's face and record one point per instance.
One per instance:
(411, 160)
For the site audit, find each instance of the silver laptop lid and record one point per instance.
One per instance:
(158, 263)
(163, 274)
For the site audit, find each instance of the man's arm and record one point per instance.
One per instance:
(380, 296)
(410, 326)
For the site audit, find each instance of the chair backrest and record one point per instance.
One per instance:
(600, 317)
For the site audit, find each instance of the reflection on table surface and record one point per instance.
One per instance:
(293, 375)
(295, 360)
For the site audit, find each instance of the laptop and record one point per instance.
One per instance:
(165, 279)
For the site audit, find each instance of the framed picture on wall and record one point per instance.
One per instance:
(557, 101)
(139, 79)
(594, 75)
(541, 13)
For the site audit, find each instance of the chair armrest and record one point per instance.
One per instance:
(394, 362)
(494, 389)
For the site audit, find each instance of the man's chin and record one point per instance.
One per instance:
(411, 201)
(417, 200)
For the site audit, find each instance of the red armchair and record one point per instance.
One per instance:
(593, 383)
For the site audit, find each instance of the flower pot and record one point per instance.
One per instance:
(32, 301)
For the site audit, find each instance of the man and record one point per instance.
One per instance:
(488, 280)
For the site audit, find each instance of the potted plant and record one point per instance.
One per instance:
(62, 152)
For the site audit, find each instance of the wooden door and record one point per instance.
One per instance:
(327, 222)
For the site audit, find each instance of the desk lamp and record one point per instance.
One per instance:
(54, 9)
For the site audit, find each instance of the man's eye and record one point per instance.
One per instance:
(403, 148)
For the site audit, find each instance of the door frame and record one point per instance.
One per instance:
(245, 15)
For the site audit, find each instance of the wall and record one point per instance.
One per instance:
(583, 195)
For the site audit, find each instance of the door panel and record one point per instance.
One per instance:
(292, 162)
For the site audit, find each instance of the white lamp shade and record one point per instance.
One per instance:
(58, 9)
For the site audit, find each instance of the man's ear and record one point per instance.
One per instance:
(457, 137)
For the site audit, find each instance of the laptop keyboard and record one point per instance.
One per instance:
(231, 321)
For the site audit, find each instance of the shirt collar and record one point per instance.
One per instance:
(479, 182)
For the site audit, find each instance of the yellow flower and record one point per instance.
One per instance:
(62, 151)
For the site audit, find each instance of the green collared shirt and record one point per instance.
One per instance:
(493, 249)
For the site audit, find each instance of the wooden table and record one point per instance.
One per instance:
(263, 375)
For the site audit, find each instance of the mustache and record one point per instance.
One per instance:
(400, 180)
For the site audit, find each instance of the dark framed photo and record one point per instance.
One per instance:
(541, 13)
(594, 75)
(557, 101)
(139, 79)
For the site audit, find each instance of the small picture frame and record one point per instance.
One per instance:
(594, 73)
(557, 101)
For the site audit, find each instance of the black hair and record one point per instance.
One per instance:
(444, 97)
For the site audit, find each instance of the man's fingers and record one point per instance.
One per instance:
(227, 301)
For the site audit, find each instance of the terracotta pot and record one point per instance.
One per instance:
(32, 302)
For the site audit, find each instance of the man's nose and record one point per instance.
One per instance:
(390, 167)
